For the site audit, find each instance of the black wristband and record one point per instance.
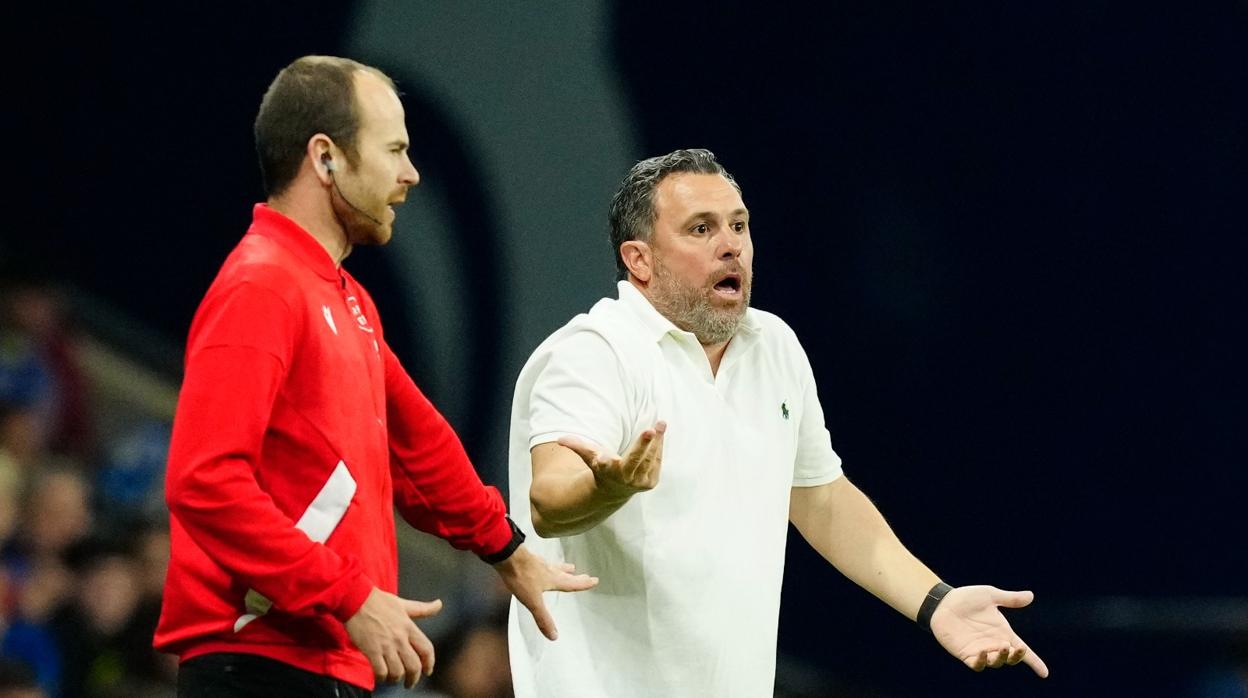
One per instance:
(934, 595)
(517, 537)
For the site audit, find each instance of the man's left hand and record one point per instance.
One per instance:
(528, 575)
(969, 624)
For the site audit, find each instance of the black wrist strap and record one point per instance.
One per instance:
(934, 595)
(517, 537)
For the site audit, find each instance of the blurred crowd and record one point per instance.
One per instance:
(83, 540)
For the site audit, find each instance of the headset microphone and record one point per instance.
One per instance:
(330, 168)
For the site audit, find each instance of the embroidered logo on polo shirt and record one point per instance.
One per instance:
(784, 410)
(329, 318)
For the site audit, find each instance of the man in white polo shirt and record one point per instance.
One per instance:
(713, 406)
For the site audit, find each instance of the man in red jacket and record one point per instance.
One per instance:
(298, 432)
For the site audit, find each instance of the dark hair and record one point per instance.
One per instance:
(314, 94)
(632, 212)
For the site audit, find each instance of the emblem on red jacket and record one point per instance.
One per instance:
(329, 318)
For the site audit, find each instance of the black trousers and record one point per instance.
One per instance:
(250, 676)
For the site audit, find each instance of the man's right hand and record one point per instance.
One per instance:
(636, 471)
(384, 632)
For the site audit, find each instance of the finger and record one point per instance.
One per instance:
(996, 658)
(1037, 664)
(422, 609)
(641, 462)
(411, 664)
(545, 622)
(660, 428)
(654, 454)
(650, 460)
(379, 665)
(569, 572)
(978, 662)
(634, 462)
(423, 648)
(394, 666)
(638, 449)
(1016, 655)
(573, 582)
(633, 469)
(1012, 599)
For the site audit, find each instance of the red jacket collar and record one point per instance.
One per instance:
(290, 235)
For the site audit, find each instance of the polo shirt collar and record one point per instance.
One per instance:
(290, 235)
(657, 326)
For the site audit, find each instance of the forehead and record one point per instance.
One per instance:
(684, 194)
(379, 107)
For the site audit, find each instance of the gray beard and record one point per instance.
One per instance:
(690, 310)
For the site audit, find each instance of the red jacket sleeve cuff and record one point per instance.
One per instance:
(357, 590)
(495, 538)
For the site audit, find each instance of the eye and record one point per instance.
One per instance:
(738, 226)
(700, 229)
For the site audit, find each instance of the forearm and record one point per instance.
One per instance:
(436, 487)
(848, 531)
(565, 497)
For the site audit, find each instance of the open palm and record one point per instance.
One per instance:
(969, 624)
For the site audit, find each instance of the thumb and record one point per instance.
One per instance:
(421, 609)
(1012, 599)
(587, 450)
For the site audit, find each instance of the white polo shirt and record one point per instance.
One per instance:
(690, 572)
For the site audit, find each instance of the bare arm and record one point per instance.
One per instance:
(845, 528)
(840, 522)
(578, 484)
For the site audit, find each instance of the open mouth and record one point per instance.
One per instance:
(729, 286)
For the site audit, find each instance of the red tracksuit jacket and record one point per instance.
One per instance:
(297, 434)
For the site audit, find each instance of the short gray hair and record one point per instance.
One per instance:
(632, 213)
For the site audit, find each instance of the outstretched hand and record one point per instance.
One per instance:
(636, 471)
(527, 575)
(969, 624)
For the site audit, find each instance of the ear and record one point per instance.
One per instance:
(639, 259)
(321, 151)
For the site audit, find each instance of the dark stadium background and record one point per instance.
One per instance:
(1012, 237)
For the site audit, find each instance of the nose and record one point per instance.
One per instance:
(731, 245)
(408, 175)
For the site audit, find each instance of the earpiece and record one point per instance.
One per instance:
(328, 161)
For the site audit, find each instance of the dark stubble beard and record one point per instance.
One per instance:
(690, 309)
(360, 228)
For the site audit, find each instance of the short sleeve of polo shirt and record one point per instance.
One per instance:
(816, 463)
(580, 392)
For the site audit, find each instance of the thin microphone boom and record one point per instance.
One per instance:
(358, 210)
